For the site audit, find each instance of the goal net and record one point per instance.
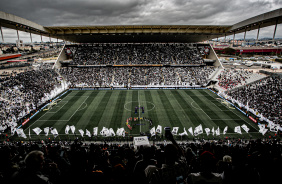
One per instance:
(51, 105)
(224, 102)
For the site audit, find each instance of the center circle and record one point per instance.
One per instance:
(129, 106)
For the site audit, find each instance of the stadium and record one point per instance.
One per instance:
(117, 88)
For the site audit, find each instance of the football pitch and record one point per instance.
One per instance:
(86, 109)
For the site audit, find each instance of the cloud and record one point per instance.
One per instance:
(137, 12)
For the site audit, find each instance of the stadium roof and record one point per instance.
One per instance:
(140, 33)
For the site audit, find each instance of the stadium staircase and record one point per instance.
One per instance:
(253, 78)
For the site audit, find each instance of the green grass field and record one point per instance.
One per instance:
(169, 108)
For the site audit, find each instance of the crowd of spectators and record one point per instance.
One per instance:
(231, 78)
(217, 161)
(120, 54)
(137, 76)
(22, 92)
(265, 96)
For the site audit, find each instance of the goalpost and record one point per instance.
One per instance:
(52, 104)
(224, 102)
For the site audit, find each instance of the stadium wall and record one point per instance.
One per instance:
(62, 56)
(213, 56)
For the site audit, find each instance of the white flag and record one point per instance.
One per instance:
(262, 129)
(273, 127)
(207, 131)
(72, 128)
(183, 133)
(237, 129)
(153, 131)
(95, 131)
(105, 131)
(37, 130)
(213, 131)
(159, 129)
(21, 133)
(13, 129)
(54, 132)
(67, 129)
(121, 132)
(225, 130)
(198, 130)
(46, 130)
(2, 128)
(217, 132)
(245, 128)
(174, 130)
(88, 133)
(191, 131)
(81, 132)
(112, 133)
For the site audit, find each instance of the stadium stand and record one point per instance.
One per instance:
(25, 91)
(118, 54)
(263, 96)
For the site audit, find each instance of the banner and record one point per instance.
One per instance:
(143, 140)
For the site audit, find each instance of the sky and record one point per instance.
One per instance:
(137, 12)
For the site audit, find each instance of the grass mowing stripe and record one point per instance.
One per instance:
(177, 109)
(238, 115)
(192, 115)
(98, 112)
(62, 114)
(162, 116)
(91, 105)
(218, 113)
(205, 106)
(134, 103)
(151, 110)
(127, 109)
(118, 111)
(77, 115)
(109, 110)
(220, 118)
(172, 116)
(144, 126)
(199, 117)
